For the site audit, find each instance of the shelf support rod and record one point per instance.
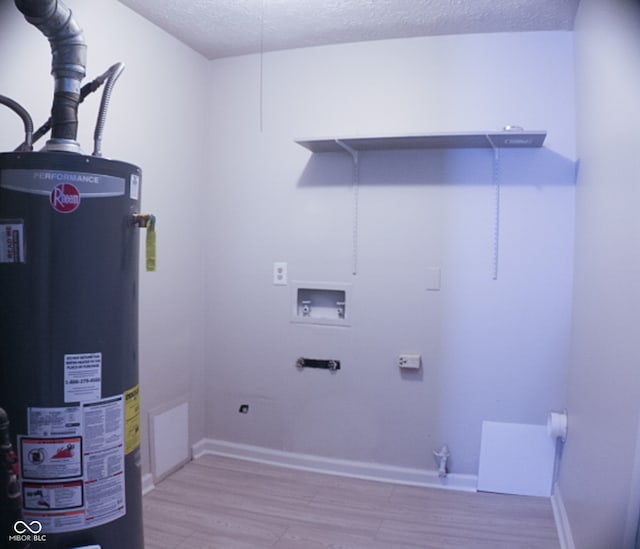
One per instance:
(356, 201)
(496, 223)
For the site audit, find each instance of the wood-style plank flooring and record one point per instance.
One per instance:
(223, 503)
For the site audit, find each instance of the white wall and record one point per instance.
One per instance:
(492, 350)
(599, 479)
(155, 121)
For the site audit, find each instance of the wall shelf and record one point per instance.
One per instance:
(463, 140)
(511, 137)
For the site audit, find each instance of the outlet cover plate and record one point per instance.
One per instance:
(280, 273)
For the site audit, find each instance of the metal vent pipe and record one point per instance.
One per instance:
(55, 20)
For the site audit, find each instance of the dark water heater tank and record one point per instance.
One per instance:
(68, 348)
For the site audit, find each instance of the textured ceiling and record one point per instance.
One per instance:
(223, 28)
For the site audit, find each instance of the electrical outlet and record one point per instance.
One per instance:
(280, 273)
(411, 362)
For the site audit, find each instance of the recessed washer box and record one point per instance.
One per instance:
(325, 303)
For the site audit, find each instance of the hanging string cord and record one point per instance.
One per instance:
(261, 84)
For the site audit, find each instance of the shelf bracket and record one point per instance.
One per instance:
(350, 150)
(496, 221)
(356, 201)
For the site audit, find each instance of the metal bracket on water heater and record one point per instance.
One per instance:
(142, 220)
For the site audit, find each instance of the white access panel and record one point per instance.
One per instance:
(169, 439)
(516, 458)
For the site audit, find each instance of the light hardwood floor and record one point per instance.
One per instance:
(224, 503)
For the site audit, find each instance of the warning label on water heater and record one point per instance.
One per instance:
(82, 377)
(104, 460)
(51, 458)
(74, 482)
(56, 495)
(11, 241)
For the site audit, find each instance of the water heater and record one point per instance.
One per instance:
(69, 391)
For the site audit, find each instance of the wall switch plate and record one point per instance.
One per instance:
(432, 277)
(280, 273)
(411, 362)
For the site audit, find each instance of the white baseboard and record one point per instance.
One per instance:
(147, 484)
(562, 519)
(356, 469)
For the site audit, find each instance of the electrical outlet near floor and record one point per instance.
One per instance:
(409, 362)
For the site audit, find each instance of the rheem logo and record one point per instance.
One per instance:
(65, 198)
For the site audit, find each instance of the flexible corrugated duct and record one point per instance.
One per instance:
(55, 20)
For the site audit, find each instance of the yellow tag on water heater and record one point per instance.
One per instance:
(150, 259)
